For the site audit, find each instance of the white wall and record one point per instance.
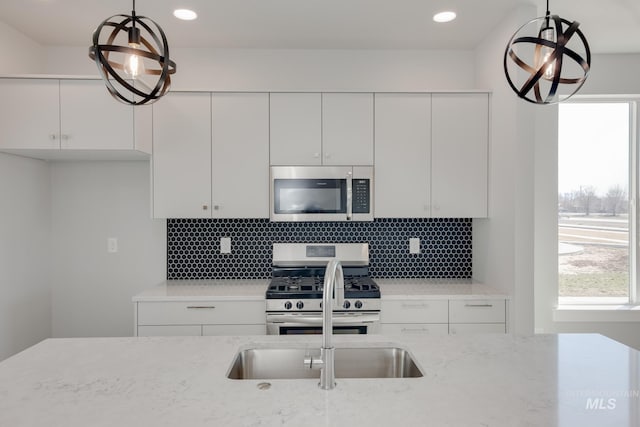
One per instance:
(503, 244)
(20, 54)
(92, 289)
(25, 302)
(290, 69)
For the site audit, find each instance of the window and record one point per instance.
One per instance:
(597, 178)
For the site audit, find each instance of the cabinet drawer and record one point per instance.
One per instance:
(414, 311)
(477, 311)
(169, 331)
(477, 328)
(234, 329)
(201, 312)
(414, 328)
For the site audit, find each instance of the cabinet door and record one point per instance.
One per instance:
(459, 149)
(90, 119)
(29, 114)
(208, 330)
(169, 330)
(477, 328)
(181, 157)
(403, 155)
(347, 128)
(240, 123)
(295, 128)
(414, 329)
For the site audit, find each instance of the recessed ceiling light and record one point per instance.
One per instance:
(446, 16)
(185, 14)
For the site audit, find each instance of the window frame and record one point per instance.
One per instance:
(566, 311)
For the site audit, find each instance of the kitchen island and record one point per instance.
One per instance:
(480, 380)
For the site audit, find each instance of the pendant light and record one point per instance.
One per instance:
(544, 54)
(132, 55)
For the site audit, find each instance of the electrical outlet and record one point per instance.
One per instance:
(112, 245)
(414, 245)
(225, 245)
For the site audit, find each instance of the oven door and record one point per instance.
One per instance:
(310, 323)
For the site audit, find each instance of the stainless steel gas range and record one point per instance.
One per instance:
(294, 295)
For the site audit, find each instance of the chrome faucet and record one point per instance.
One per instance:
(333, 279)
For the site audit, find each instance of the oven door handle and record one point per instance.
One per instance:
(317, 320)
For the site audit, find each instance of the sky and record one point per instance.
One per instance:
(593, 146)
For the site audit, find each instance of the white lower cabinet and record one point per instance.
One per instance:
(477, 316)
(414, 328)
(414, 316)
(164, 318)
(440, 317)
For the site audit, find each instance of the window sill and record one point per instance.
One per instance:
(597, 313)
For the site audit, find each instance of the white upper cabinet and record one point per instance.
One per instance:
(211, 155)
(181, 161)
(47, 118)
(459, 150)
(91, 119)
(240, 171)
(296, 128)
(321, 129)
(402, 151)
(347, 128)
(29, 114)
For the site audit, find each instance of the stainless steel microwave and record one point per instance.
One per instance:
(321, 193)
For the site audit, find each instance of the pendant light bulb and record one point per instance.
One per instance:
(134, 63)
(547, 34)
(134, 66)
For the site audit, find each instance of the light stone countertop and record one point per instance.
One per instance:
(479, 380)
(254, 289)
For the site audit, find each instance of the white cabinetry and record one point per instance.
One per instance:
(296, 128)
(432, 316)
(459, 150)
(200, 318)
(321, 129)
(477, 316)
(431, 155)
(347, 129)
(211, 155)
(29, 114)
(182, 156)
(47, 118)
(414, 316)
(403, 155)
(240, 164)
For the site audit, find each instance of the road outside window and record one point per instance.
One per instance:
(593, 202)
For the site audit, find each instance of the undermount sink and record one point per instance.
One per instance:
(288, 363)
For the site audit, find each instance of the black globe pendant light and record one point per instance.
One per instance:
(544, 55)
(132, 55)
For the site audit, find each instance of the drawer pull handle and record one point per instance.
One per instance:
(478, 305)
(415, 330)
(200, 307)
(415, 305)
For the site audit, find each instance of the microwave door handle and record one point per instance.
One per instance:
(349, 197)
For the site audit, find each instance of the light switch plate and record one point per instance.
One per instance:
(225, 245)
(414, 245)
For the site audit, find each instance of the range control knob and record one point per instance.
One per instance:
(299, 305)
(358, 304)
(288, 305)
(346, 305)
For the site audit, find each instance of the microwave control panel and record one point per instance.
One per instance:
(361, 199)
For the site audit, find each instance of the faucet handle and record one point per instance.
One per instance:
(313, 362)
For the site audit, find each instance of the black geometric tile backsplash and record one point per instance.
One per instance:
(193, 246)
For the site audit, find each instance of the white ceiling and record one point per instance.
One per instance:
(611, 26)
